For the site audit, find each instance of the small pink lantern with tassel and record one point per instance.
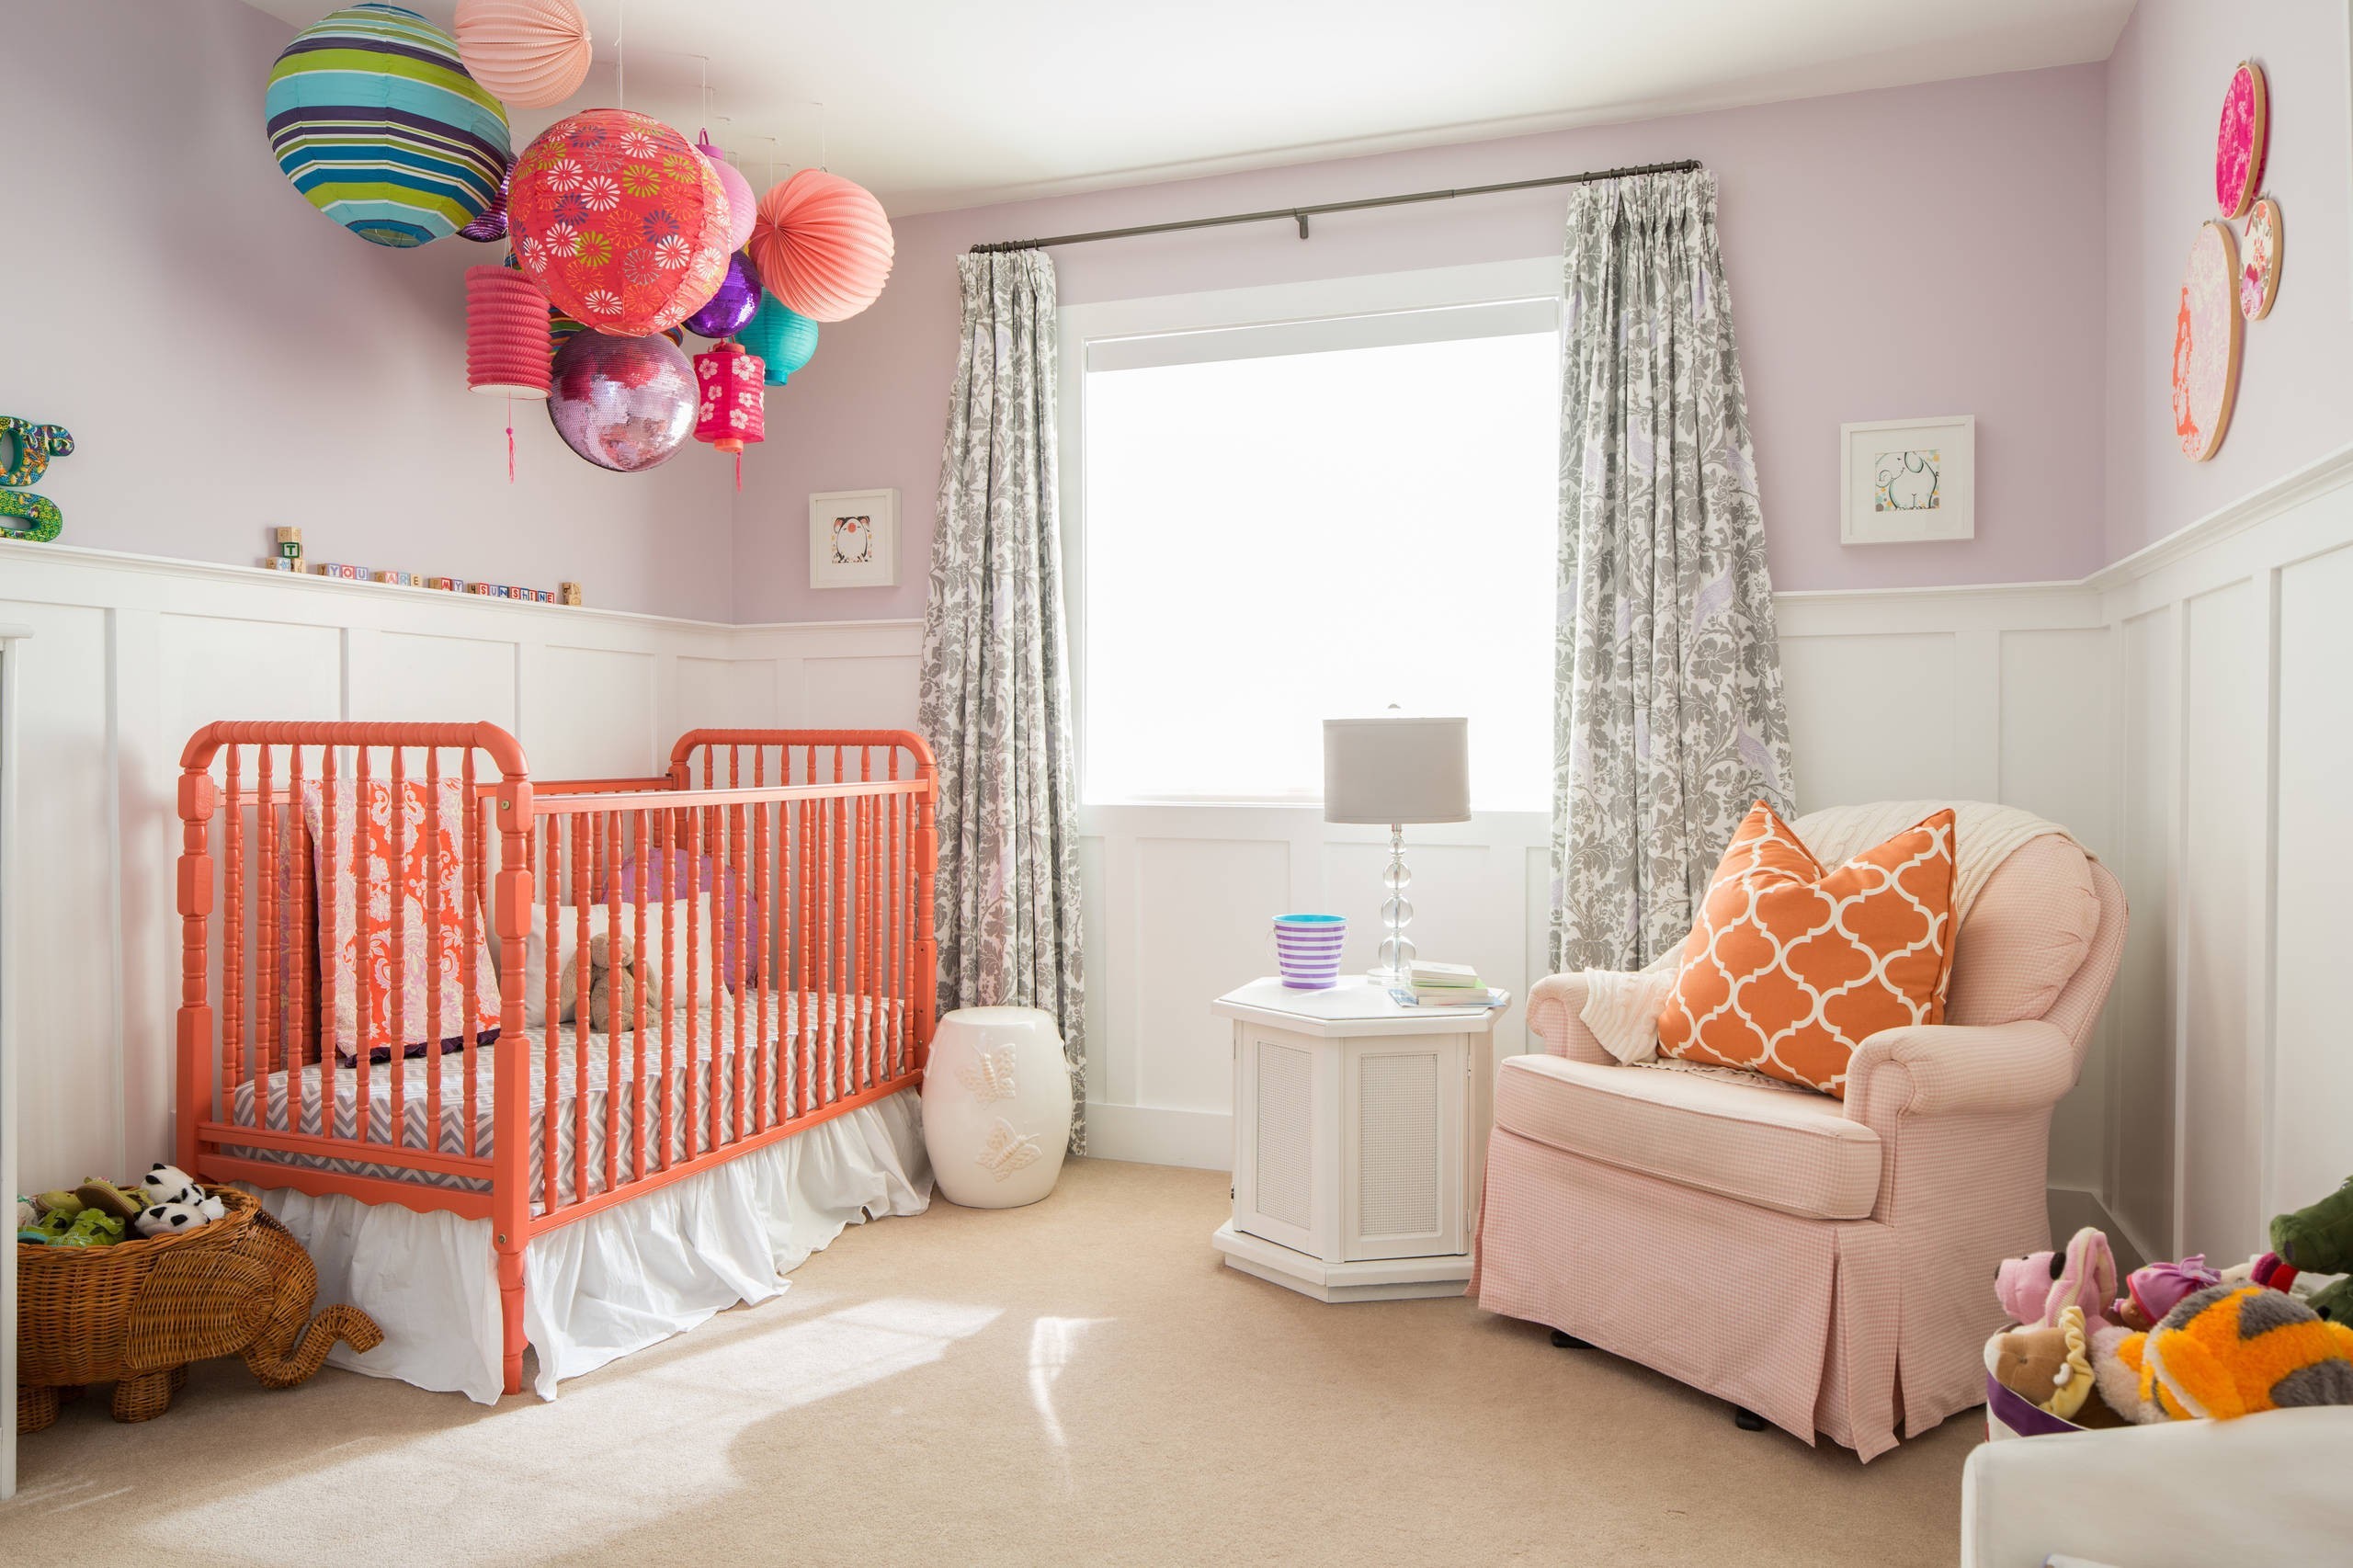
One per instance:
(732, 412)
(506, 340)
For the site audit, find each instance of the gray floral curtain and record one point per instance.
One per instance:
(995, 680)
(1668, 720)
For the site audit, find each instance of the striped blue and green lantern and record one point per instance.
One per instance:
(374, 119)
(780, 335)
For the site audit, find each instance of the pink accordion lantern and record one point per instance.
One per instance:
(731, 414)
(532, 52)
(741, 206)
(507, 333)
(823, 245)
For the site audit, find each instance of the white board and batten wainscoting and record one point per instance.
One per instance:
(130, 654)
(2181, 710)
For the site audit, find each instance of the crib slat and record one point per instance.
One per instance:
(668, 862)
(642, 890)
(736, 889)
(763, 1077)
(396, 888)
(269, 941)
(434, 864)
(469, 919)
(898, 926)
(693, 1124)
(608, 842)
(837, 981)
(297, 1037)
(551, 1031)
(579, 853)
(331, 942)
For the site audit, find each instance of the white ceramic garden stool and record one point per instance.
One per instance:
(996, 1106)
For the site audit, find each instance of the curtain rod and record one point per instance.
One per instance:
(1302, 214)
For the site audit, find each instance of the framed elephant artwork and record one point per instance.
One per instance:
(1907, 481)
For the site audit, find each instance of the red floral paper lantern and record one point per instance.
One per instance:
(823, 245)
(507, 333)
(621, 220)
(732, 412)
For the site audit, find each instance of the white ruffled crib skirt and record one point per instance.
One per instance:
(621, 1278)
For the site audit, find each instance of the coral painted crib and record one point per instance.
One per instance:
(478, 1067)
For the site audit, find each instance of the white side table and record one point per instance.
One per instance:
(1360, 1130)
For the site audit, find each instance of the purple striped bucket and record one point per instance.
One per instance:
(1307, 949)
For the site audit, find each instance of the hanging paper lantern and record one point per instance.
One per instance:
(532, 52)
(726, 313)
(783, 339)
(563, 329)
(374, 119)
(742, 208)
(823, 245)
(491, 225)
(732, 414)
(507, 333)
(621, 220)
(625, 404)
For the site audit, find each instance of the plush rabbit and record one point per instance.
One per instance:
(2036, 1289)
(613, 978)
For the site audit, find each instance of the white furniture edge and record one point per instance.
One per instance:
(1374, 1279)
(11, 639)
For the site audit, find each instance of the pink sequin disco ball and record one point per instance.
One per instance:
(625, 404)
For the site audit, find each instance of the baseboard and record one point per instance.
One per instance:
(2074, 1207)
(1152, 1135)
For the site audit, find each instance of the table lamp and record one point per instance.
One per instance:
(1397, 769)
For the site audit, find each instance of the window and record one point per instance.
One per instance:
(1287, 521)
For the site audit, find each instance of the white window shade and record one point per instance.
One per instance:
(1297, 520)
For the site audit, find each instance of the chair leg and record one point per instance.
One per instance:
(1747, 1420)
(1568, 1342)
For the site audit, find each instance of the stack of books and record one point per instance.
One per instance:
(1445, 985)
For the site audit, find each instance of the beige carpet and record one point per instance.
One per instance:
(1080, 1381)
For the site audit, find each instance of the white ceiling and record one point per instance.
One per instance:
(938, 104)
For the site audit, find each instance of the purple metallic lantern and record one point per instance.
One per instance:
(492, 224)
(625, 404)
(725, 313)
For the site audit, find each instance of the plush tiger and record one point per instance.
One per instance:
(2231, 1350)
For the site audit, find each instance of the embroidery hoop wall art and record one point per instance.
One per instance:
(853, 538)
(2240, 140)
(2207, 335)
(1907, 481)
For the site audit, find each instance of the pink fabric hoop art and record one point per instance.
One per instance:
(2206, 338)
(2260, 278)
(2240, 140)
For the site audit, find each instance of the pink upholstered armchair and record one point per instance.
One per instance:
(1827, 1265)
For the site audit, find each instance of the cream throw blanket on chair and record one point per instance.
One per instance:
(1623, 1009)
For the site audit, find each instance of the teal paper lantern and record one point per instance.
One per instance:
(782, 335)
(372, 116)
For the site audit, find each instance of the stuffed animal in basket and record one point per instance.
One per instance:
(2051, 1369)
(2153, 1291)
(614, 976)
(2319, 1240)
(2231, 1350)
(2036, 1289)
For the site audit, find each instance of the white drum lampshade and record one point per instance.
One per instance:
(1396, 769)
(996, 1106)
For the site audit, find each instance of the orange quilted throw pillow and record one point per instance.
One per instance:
(1791, 967)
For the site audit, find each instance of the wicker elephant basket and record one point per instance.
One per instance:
(137, 1312)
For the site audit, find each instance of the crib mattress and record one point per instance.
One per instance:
(798, 1071)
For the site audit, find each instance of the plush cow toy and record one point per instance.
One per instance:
(174, 1202)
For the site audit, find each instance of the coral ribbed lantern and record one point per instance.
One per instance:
(743, 208)
(532, 52)
(823, 245)
(621, 220)
(507, 333)
(782, 337)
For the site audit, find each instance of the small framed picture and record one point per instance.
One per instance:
(1907, 481)
(853, 538)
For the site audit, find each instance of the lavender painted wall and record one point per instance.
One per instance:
(2295, 398)
(229, 359)
(1922, 250)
